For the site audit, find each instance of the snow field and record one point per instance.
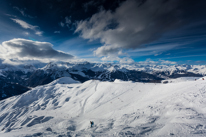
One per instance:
(117, 108)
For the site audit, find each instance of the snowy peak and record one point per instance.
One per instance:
(97, 67)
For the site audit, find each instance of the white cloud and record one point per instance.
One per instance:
(3, 50)
(9, 61)
(106, 51)
(17, 62)
(25, 25)
(167, 62)
(124, 60)
(11, 15)
(23, 49)
(131, 25)
(26, 33)
(162, 62)
(61, 24)
(38, 33)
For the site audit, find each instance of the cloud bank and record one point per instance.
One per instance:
(23, 49)
(136, 22)
(162, 62)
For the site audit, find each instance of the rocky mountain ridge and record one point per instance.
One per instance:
(26, 76)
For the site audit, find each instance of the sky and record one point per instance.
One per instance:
(119, 31)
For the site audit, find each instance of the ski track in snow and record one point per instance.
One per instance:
(117, 108)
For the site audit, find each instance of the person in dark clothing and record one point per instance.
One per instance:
(92, 123)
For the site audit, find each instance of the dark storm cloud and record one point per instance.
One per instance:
(137, 22)
(29, 49)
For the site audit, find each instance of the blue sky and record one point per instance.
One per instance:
(124, 31)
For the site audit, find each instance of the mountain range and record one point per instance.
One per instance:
(15, 80)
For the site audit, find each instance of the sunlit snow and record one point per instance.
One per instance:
(66, 107)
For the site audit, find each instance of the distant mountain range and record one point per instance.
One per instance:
(16, 80)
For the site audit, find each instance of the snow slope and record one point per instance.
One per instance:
(117, 108)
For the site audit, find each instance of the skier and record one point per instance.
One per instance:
(92, 123)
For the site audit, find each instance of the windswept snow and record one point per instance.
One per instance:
(117, 108)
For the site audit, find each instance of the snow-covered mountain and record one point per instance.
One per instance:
(27, 76)
(86, 71)
(109, 72)
(65, 107)
(13, 78)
